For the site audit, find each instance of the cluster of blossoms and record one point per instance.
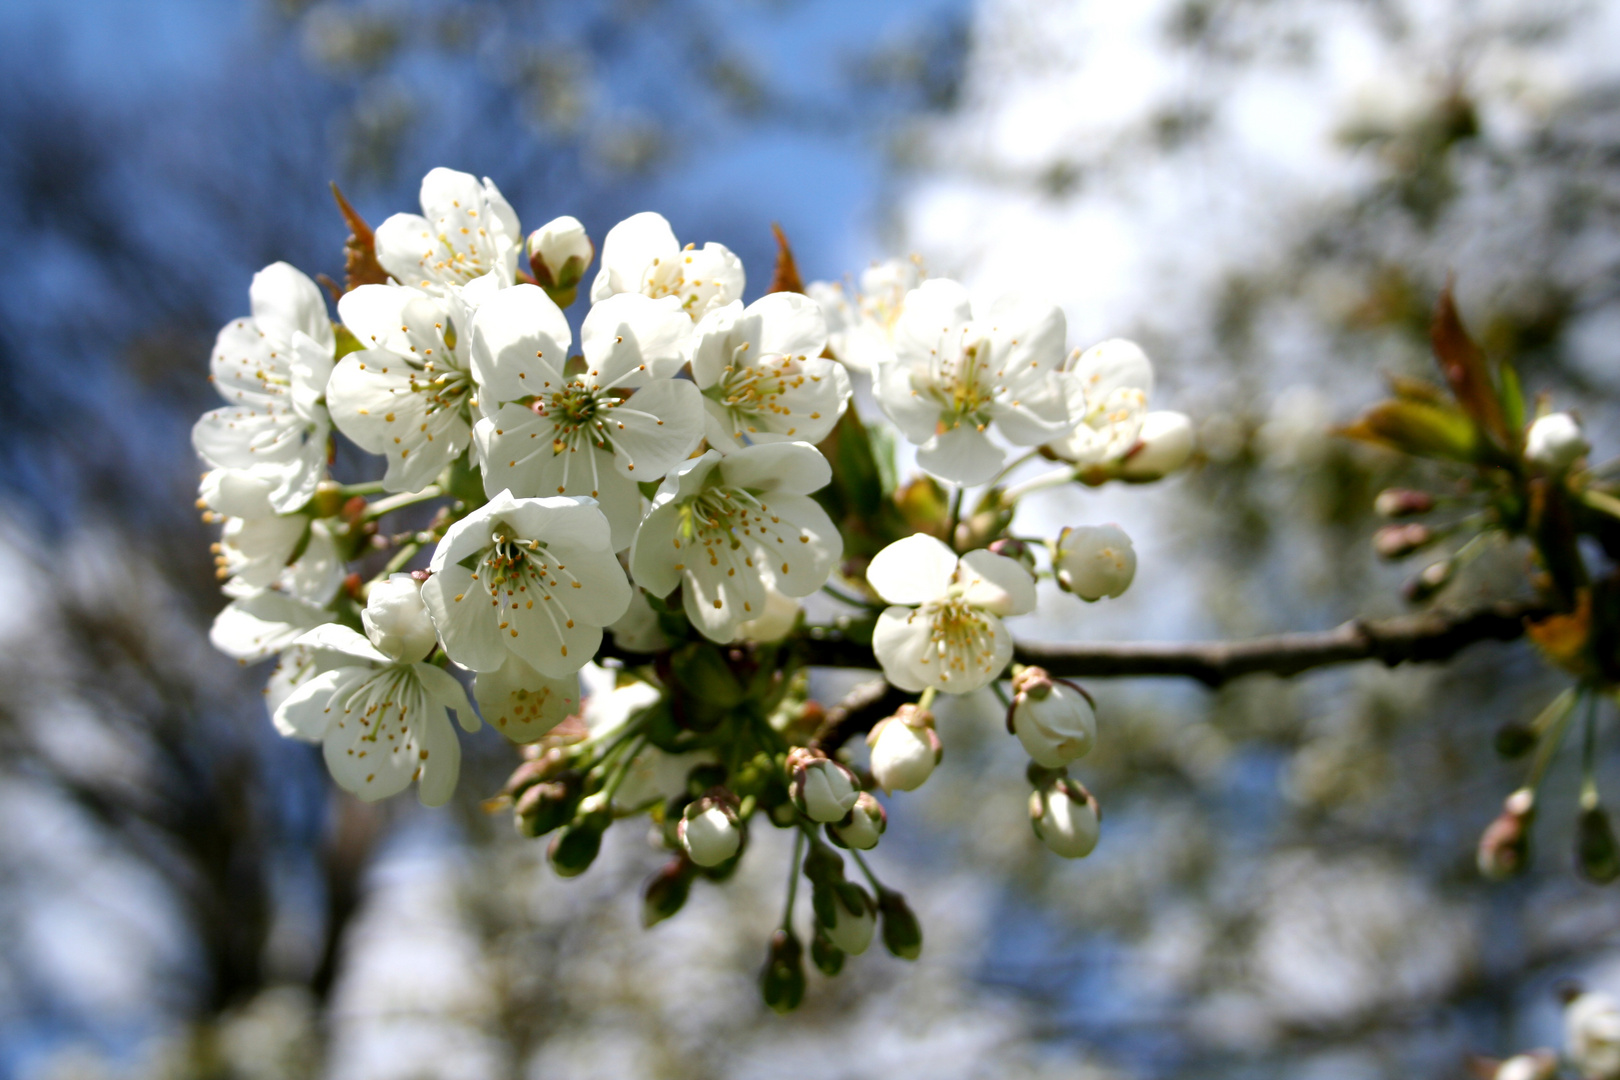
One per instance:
(611, 536)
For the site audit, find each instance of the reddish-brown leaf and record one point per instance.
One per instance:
(1463, 365)
(359, 250)
(786, 278)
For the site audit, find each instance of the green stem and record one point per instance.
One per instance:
(1013, 464)
(621, 770)
(1001, 694)
(956, 512)
(843, 597)
(1038, 483)
(401, 558)
(1553, 722)
(877, 886)
(399, 502)
(926, 700)
(1589, 792)
(370, 487)
(793, 881)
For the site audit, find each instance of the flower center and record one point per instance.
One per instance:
(751, 391)
(579, 413)
(964, 386)
(959, 636)
(516, 574)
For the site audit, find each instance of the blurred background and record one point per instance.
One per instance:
(1267, 194)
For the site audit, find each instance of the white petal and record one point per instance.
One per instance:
(440, 761)
(285, 302)
(470, 535)
(813, 545)
(963, 454)
(629, 339)
(790, 324)
(1027, 335)
(306, 713)
(938, 307)
(520, 342)
(1111, 365)
(720, 597)
(996, 583)
(523, 704)
(629, 248)
(713, 342)
(794, 467)
(656, 550)
(899, 640)
(403, 241)
(375, 314)
(657, 428)
(914, 570)
(260, 625)
(337, 645)
(462, 613)
(444, 690)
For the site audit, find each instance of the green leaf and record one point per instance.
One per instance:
(1419, 429)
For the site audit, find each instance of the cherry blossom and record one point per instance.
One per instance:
(465, 241)
(861, 327)
(641, 255)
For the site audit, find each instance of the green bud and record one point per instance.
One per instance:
(781, 984)
(1596, 854)
(828, 958)
(544, 807)
(666, 891)
(1514, 739)
(902, 933)
(823, 865)
(576, 845)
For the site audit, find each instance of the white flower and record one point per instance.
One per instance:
(1065, 818)
(523, 704)
(637, 629)
(1054, 719)
(861, 333)
(822, 789)
(905, 750)
(259, 548)
(641, 255)
(533, 578)
(1592, 1035)
(1108, 387)
(762, 373)
(597, 432)
(864, 826)
(559, 252)
(382, 720)
(728, 528)
(409, 394)
(262, 623)
(653, 776)
(395, 619)
(466, 233)
(272, 368)
(1555, 442)
(1531, 1065)
(953, 638)
(1094, 561)
(1163, 445)
(854, 918)
(955, 373)
(709, 831)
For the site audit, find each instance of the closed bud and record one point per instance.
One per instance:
(1094, 561)
(849, 916)
(828, 958)
(823, 865)
(1162, 446)
(710, 829)
(397, 621)
(863, 826)
(781, 984)
(559, 252)
(905, 749)
(1015, 549)
(328, 500)
(902, 933)
(1554, 442)
(1402, 502)
(534, 771)
(1433, 578)
(821, 788)
(1596, 855)
(1514, 739)
(1066, 818)
(548, 805)
(576, 844)
(1399, 541)
(1054, 719)
(1504, 847)
(1592, 1035)
(666, 891)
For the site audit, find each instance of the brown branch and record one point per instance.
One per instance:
(863, 707)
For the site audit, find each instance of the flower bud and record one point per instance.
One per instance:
(1402, 502)
(1054, 719)
(533, 771)
(828, 958)
(559, 252)
(1094, 561)
(865, 823)
(902, 933)
(848, 914)
(1504, 848)
(1592, 1035)
(1399, 541)
(822, 789)
(576, 845)
(1554, 442)
(1433, 578)
(904, 749)
(397, 621)
(548, 805)
(710, 830)
(1066, 818)
(1596, 855)
(1162, 446)
(666, 891)
(1530, 1065)
(1514, 739)
(782, 982)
